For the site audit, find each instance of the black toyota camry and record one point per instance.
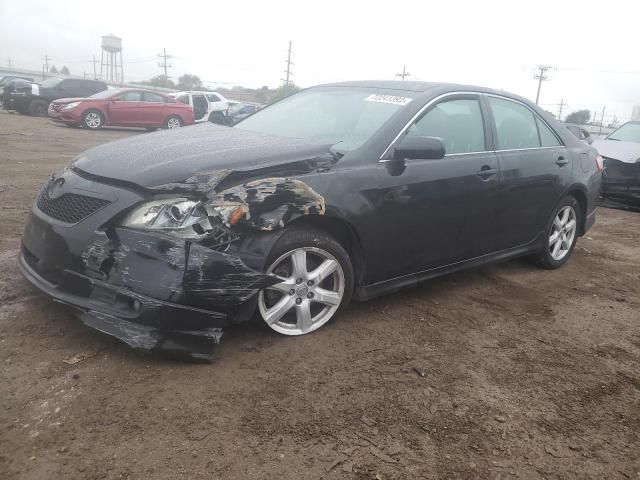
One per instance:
(341, 191)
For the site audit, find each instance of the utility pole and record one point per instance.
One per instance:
(288, 72)
(541, 76)
(562, 104)
(404, 73)
(164, 65)
(9, 62)
(94, 61)
(46, 63)
(601, 121)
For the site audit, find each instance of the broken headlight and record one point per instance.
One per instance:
(183, 217)
(178, 216)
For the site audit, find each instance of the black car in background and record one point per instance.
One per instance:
(341, 191)
(34, 99)
(621, 153)
(7, 79)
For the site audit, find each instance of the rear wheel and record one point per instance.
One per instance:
(92, 119)
(172, 122)
(561, 234)
(38, 108)
(317, 282)
(218, 118)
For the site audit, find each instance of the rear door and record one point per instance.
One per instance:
(153, 109)
(442, 211)
(126, 109)
(535, 168)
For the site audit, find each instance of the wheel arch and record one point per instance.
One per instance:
(166, 119)
(105, 119)
(344, 233)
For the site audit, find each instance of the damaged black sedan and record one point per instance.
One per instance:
(339, 191)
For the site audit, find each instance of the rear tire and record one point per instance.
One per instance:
(561, 234)
(92, 119)
(38, 108)
(317, 282)
(173, 121)
(218, 118)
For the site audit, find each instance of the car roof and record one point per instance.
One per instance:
(124, 90)
(422, 87)
(195, 91)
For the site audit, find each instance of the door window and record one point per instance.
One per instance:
(515, 125)
(131, 97)
(153, 97)
(458, 122)
(213, 98)
(183, 99)
(547, 137)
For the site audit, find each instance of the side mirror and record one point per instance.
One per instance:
(418, 147)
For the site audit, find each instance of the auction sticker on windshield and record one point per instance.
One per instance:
(395, 99)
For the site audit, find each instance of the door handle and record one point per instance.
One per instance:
(561, 161)
(486, 171)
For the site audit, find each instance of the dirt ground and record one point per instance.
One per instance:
(527, 373)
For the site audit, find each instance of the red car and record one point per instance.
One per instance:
(122, 108)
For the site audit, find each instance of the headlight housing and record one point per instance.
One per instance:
(71, 105)
(182, 217)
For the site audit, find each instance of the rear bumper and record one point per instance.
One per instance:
(15, 102)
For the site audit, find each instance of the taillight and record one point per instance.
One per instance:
(599, 163)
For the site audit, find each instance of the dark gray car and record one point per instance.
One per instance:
(348, 190)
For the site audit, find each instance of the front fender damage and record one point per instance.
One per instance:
(210, 288)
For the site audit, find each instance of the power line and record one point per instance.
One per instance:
(562, 104)
(541, 76)
(95, 73)
(404, 73)
(288, 72)
(164, 65)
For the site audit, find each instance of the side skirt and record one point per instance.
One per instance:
(367, 292)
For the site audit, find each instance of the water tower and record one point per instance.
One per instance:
(109, 64)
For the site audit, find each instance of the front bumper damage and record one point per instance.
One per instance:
(153, 293)
(621, 179)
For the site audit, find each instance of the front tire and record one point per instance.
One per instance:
(561, 234)
(92, 119)
(172, 122)
(317, 282)
(38, 108)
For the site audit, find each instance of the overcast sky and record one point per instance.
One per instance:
(592, 45)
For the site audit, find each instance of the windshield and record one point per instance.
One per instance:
(629, 132)
(104, 94)
(348, 116)
(51, 82)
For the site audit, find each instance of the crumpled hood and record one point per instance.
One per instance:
(155, 159)
(628, 152)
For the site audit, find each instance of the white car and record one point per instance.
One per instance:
(207, 106)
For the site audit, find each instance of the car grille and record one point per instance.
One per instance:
(70, 207)
(56, 107)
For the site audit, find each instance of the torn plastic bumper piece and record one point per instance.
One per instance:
(151, 292)
(140, 322)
